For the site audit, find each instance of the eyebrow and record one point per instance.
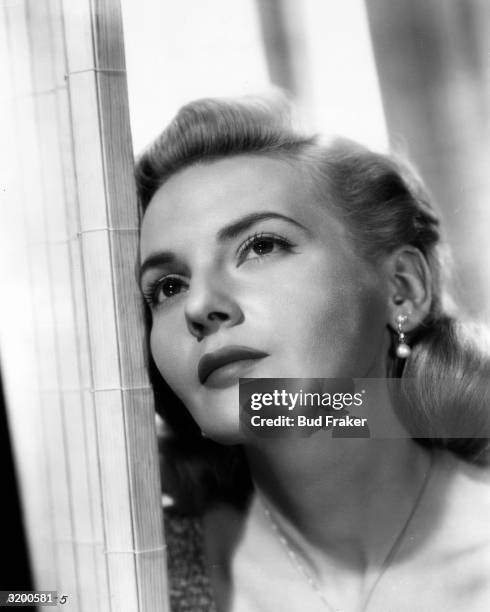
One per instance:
(225, 234)
(157, 260)
(234, 229)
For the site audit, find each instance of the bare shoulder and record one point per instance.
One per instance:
(444, 563)
(458, 556)
(465, 492)
(469, 521)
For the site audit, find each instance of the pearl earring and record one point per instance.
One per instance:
(402, 350)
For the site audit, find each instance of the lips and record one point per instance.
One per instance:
(211, 362)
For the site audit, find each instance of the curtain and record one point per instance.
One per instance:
(79, 403)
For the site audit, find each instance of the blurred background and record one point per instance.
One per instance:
(407, 75)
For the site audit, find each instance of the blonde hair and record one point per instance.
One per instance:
(383, 205)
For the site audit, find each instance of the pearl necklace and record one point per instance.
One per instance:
(300, 568)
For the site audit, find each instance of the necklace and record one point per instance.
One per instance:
(301, 569)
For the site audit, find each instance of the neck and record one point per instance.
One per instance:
(348, 498)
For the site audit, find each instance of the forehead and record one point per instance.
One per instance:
(200, 199)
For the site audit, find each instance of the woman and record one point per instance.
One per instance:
(266, 254)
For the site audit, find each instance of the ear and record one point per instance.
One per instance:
(410, 287)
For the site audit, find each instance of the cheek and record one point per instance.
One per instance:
(320, 291)
(167, 351)
(352, 332)
(330, 316)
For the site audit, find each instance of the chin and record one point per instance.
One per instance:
(223, 431)
(219, 420)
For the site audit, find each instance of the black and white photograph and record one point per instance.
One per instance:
(245, 308)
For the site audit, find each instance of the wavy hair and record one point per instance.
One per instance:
(384, 206)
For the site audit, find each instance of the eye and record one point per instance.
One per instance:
(262, 245)
(164, 289)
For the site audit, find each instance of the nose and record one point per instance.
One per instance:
(210, 304)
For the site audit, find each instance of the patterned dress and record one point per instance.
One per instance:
(189, 584)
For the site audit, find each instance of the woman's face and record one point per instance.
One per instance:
(247, 276)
